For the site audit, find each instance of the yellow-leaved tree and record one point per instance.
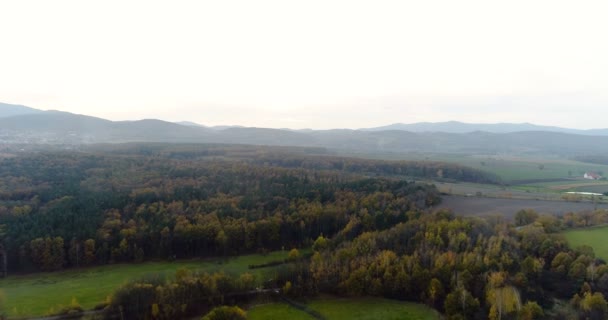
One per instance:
(503, 298)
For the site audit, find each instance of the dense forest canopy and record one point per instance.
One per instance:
(75, 208)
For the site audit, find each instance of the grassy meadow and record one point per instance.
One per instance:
(36, 294)
(594, 237)
(512, 169)
(341, 308)
(277, 311)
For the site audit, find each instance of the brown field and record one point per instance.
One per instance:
(579, 185)
(479, 206)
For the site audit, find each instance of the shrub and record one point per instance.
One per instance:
(226, 313)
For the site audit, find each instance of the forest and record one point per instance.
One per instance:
(370, 225)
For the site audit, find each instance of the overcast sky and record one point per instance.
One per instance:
(310, 64)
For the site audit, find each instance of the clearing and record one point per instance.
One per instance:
(278, 311)
(594, 237)
(36, 294)
(351, 308)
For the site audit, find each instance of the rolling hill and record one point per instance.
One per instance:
(35, 126)
(10, 110)
(461, 127)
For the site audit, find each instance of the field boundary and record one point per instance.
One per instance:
(315, 314)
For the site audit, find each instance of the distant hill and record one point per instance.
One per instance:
(194, 124)
(190, 124)
(10, 110)
(54, 127)
(65, 127)
(461, 127)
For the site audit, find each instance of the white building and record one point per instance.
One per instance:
(592, 176)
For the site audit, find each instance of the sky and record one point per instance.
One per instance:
(310, 64)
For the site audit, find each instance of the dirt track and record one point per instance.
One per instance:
(478, 206)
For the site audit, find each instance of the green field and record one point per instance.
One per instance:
(277, 311)
(356, 309)
(371, 309)
(508, 168)
(593, 237)
(36, 294)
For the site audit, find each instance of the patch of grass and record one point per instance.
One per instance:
(36, 294)
(372, 309)
(277, 311)
(593, 237)
(347, 308)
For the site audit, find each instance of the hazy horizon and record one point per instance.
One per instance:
(318, 64)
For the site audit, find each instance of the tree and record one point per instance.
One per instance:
(525, 217)
(531, 311)
(293, 255)
(226, 313)
(89, 252)
(320, 244)
(75, 255)
(594, 305)
(435, 291)
(461, 303)
(504, 299)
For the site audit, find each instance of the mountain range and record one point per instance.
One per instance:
(20, 124)
(461, 127)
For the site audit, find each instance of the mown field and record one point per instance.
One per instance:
(37, 294)
(356, 309)
(594, 237)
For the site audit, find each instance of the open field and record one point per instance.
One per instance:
(594, 237)
(372, 309)
(523, 170)
(512, 169)
(479, 206)
(352, 308)
(495, 191)
(36, 294)
(277, 311)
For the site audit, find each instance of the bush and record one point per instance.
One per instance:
(72, 311)
(226, 313)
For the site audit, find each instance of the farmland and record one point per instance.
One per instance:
(38, 293)
(509, 207)
(513, 170)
